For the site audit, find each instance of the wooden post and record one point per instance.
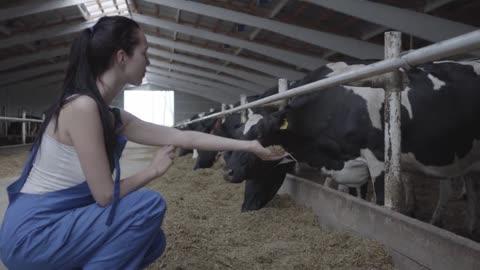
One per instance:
(24, 128)
(282, 87)
(393, 135)
(243, 101)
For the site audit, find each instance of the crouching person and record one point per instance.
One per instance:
(66, 211)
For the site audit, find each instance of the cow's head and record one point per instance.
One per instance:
(262, 188)
(264, 127)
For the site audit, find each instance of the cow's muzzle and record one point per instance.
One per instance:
(228, 176)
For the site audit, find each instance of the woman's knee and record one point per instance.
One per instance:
(151, 206)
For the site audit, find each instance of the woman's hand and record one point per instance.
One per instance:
(162, 160)
(262, 152)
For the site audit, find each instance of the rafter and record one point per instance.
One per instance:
(12, 77)
(432, 28)
(44, 33)
(250, 87)
(301, 60)
(215, 85)
(262, 80)
(249, 63)
(208, 92)
(32, 7)
(346, 45)
(24, 59)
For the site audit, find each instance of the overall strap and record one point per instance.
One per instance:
(116, 191)
(121, 141)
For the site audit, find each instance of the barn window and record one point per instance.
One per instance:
(152, 106)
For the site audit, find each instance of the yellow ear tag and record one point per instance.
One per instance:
(284, 124)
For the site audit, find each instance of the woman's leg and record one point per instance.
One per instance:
(80, 237)
(139, 244)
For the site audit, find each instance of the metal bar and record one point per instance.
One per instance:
(20, 119)
(463, 43)
(282, 87)
(243, 101)
(24, 128)
(392, 132)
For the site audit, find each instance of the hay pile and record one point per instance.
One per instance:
(206, 230)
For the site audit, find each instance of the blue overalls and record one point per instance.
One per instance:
(66, 229)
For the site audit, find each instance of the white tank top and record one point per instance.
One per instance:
(56, 167)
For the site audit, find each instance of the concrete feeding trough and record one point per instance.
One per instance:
(413, 244)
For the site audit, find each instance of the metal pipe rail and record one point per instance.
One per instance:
(24, 120)
(20, 119)
(449, 47)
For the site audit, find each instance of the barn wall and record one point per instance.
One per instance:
(187, 105)
(34, 102)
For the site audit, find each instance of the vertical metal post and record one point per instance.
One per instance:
(24, 128)
(224, 108)
(282, 87)
(29, 128)
(393, 143)
(243, 101)
(4, 112)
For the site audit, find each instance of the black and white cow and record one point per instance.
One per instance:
(262, 178)
(340, 129)
(204, 159)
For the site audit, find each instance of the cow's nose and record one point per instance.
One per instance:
(228, 175)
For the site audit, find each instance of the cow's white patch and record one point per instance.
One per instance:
(437, 84)
(341, 67)
(195, 154)
(252, 120)
(406, 101)
(354, 173)
(375, 166)
(474, 64)
(374, 98)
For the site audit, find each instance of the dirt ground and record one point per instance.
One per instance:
(12, 161)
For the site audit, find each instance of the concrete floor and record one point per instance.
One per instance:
(135, 158)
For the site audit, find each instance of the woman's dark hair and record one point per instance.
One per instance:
(91, 54)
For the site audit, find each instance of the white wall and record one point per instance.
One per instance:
(187, 105)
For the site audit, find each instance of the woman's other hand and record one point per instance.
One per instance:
(262, 152)
(163, 160)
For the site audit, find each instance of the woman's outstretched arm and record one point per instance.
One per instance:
(147, 133)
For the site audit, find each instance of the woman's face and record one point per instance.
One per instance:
(136, 64)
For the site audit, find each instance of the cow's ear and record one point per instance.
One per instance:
(284, 124)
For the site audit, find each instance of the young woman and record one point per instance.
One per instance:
(65, 211)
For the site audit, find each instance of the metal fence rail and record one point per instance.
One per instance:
(20, 119)
(453, 46)
(25, 124)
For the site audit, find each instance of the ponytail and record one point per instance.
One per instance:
(91, 54)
